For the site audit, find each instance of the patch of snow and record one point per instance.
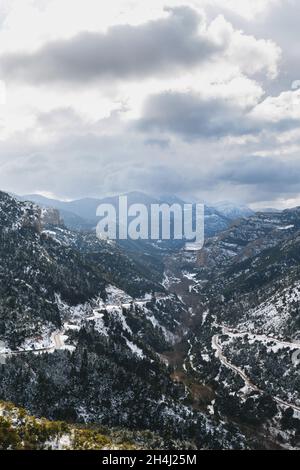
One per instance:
(135, 350)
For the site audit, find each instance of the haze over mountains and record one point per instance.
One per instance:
(81, 214)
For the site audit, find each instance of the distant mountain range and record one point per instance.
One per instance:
(233, 211)
(81, 214)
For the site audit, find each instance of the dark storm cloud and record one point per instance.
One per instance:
(256, 177)
(124, 52)
(159, 142)
(94, 166)
(259, 171)
(192, 116)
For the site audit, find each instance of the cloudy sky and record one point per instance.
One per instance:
(195, 97)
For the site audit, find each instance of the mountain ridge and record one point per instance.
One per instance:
(81, 213)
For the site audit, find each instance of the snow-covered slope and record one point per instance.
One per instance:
(233, 211)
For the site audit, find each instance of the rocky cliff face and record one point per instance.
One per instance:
(51, 217)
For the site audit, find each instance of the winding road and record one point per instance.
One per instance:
(219, 354)
(239, 334)
(58, 342)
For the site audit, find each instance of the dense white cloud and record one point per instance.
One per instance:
(250, 54)
(286, 106)
(248, 9)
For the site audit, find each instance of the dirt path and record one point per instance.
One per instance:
(57, 343)
(219, 353)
